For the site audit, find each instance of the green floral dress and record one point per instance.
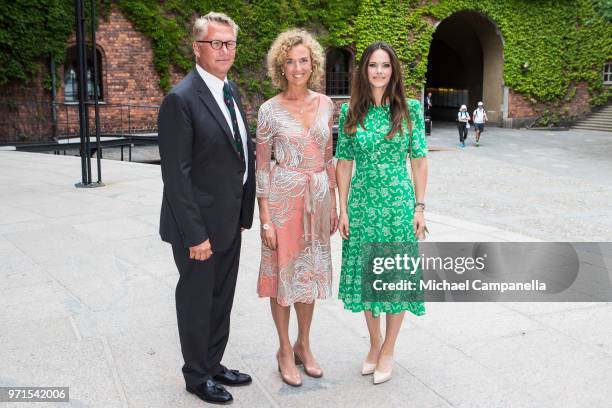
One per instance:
(381, 199)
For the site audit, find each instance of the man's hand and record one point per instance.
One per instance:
(201, 252)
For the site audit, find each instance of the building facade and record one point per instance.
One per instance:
(465, 64)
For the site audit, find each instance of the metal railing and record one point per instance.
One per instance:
(31, 121)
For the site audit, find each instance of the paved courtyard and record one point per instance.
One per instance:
(87, 289)
(553, 185)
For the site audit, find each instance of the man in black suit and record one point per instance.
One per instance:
(208, 168)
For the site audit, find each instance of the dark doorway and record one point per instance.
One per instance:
(465, 65)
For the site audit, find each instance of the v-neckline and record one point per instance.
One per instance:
(314, 117)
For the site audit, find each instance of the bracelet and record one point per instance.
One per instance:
(419, 204)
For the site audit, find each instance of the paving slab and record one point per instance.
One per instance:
(87, 289)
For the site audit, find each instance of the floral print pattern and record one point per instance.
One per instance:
(381, 199)
(299, 201)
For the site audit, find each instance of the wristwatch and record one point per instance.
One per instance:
(419, 204)
(265, 226)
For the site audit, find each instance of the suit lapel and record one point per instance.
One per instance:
(209, 100)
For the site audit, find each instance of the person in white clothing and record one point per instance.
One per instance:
(480, 118)
(463, 118)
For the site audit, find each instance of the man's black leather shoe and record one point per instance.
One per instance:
(211, 392)
(232, 377)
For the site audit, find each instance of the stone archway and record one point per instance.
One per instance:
(466, 65)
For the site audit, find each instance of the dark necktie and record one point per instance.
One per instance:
(229, 102)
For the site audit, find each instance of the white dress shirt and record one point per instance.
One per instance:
(216, 88)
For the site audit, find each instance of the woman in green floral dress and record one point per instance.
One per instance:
(377, 131)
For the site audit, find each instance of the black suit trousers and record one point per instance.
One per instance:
(204, 297)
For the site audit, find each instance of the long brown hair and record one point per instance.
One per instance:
(361, 94)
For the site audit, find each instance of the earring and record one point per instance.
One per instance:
(282, 73)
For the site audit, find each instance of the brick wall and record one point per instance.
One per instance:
(128, 78)
(522, 111)
(25, 111)
(129, 81)
(579, 105)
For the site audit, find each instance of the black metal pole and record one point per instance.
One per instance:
(82, 78)
(95, 90)
(53, 100)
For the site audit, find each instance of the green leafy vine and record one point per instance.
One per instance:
(563, 42)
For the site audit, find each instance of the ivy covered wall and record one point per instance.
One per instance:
(563, 42)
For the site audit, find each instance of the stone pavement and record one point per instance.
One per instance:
(87, 289)
(552, 185)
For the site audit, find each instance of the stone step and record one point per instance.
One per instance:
(592, 127)
(600, 120)
(602, 114)
(593, 121)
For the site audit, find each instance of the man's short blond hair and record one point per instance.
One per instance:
(280, 48)
(200, 26)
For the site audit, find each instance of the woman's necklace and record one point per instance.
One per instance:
(302, 104)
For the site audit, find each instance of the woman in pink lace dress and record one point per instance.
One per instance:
(296, 196)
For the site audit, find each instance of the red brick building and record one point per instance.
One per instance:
(130, 92)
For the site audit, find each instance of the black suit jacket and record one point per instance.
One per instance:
(204, 196)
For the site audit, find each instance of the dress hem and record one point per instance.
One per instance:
(309, 301)
(358, 308)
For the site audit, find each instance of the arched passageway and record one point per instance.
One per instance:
(465, 65)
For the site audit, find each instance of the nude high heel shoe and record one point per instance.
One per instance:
(312, 371)
(292, 381)
(367, 368)
(381, 377)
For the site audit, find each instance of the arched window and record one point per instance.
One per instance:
(337, 72)
(71, 82)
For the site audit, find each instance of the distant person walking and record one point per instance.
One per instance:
(427, 110)
(463, 118)
(480, 118)
(428, 104)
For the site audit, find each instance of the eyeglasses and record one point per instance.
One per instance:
(217, 44)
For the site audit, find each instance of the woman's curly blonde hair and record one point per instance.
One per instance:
(280, 48)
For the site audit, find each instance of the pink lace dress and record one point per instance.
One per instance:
(298, 190)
